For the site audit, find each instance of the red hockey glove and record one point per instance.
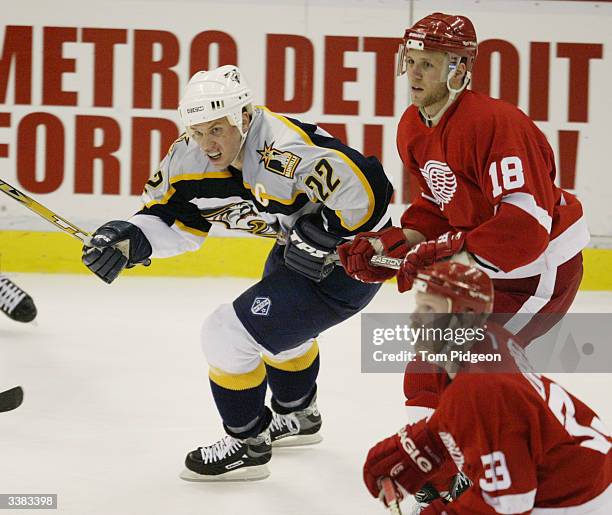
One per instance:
(408, 457)
(355, 255)
(427, 253)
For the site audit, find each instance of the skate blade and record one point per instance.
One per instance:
(254, 473)
(298, 440)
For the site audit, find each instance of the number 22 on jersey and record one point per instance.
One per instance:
(323, 180)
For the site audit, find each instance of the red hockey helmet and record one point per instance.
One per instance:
(466, 287)
(441, 32)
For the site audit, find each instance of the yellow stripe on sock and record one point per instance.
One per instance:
(295, 364)
(238, 381)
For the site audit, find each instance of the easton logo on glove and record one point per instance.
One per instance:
(409, 446)
(309, 249)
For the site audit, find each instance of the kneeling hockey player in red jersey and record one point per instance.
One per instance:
(526, 444)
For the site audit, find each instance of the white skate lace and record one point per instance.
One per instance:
(10, 295)
(289, 421)
(220, 450)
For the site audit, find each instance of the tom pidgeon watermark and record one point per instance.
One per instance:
(407, 336)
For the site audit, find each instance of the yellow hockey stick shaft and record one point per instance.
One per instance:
(45, 213)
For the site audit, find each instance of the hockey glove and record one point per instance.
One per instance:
(408, 457)
(309, 247)
(428, 253)
(355, 255)
(115, 246)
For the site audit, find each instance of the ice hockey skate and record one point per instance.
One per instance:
(15, 302)
(230, 459)
(297, 428)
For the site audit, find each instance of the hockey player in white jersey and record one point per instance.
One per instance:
(247, 168)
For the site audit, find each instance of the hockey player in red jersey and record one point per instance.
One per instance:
(527, 445)
(486, 175)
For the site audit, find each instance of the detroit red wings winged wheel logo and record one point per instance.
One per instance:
(441, 181)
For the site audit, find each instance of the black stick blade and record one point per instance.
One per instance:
(11, 399)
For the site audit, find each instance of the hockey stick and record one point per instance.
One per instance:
(391, 498)
(45, 213)
(11, 399)
(57, 220)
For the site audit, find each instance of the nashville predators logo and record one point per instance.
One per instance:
(241, 216)
(233, 75)
(280, 162)
(441, 181)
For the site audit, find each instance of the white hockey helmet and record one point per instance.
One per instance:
(210, 95)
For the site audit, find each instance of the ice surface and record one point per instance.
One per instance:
(116, 393)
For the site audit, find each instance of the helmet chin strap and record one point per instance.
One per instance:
(243, 135)
(432, 121)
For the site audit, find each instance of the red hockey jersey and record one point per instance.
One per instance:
(486, 168)
(527, 444)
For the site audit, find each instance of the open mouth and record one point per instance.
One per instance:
(214, 155)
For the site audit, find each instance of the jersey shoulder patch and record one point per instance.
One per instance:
(278, 160)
